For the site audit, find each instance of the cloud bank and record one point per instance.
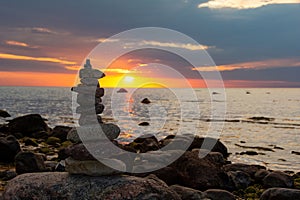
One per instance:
(243, 4)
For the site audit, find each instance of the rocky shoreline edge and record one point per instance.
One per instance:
(38, 162)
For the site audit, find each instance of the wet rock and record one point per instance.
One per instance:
(216, 194)
(278, 179)
(249, 169)
(260, 175)
(28, 162)
(262, 118)
(61, 185)
(280, 194)
(145, 101)
(9, 147)
(61, 132)
(94, 167)
(28, 124)
(145, 143)
(186, 193)
(250, 153)
(240, 179)
(4, 114)
(144, 124)
(295, 152)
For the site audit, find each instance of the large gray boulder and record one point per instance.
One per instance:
(280, 194)
(61, 185)
(278, 179)
(27, 125)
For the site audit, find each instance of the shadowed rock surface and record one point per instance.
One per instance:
(60, 185)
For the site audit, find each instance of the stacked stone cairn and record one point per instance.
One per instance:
(95, 136)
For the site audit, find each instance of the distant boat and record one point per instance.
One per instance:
(215, 93)
(248, 92)
(122, 90)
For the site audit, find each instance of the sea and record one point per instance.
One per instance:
(265, 120)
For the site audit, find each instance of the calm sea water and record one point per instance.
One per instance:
(187, 111)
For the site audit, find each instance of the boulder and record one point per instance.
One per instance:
(196, 142)
(186, 193)
(216, 194)
(260, 175)
(101, 148)
(280, 194)
(145, 143)
(73, 136)
(9, 147)
(4, 114)
(28, 162)
(249, 169)
(28, 124)
(61, 132)
(201, 173)
(94, 167)
(61, 185)
(240, 179)
(278, 179)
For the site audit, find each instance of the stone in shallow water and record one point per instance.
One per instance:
(94, 167)
(61, 185)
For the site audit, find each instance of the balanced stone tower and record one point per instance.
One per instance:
(93, 132)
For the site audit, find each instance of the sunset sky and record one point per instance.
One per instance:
(254, 43)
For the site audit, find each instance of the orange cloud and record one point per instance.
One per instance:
(273, 63)
(16, 43)
(36, 79)
(41, 59)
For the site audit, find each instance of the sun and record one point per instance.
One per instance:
(128, 79)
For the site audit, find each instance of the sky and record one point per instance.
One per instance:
(254, 43)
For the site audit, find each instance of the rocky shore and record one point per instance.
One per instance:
(38, 162)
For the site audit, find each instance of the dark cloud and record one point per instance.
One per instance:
(66, 28)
